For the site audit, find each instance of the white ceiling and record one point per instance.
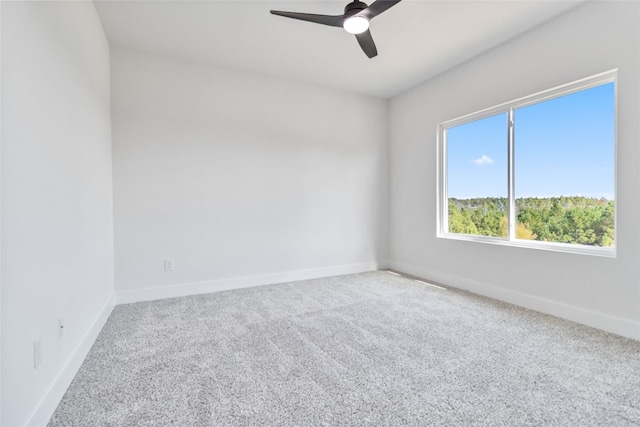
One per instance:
(416, 39)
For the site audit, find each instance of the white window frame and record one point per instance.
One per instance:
(509, 108)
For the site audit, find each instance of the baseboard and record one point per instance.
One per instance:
(616, 325)
(54, 395)
(186, 289)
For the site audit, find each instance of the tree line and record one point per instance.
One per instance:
(572, 219)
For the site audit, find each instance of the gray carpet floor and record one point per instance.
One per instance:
(363, 349)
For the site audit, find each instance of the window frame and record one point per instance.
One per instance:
(509, 108)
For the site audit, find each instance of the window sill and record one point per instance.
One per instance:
(535, 244)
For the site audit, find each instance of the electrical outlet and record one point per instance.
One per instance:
(37, 353)
(168, 265)
(60, 327)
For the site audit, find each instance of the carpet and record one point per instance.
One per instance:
(364, 349)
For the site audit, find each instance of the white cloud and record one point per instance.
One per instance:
(483, 160)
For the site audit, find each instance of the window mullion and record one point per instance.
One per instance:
(511, 181)
(444, 200)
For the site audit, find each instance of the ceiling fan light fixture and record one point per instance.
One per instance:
(356, 24)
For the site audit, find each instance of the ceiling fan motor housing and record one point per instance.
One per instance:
(354, 7)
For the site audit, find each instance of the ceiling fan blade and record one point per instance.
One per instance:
(365, 40)
(377, 7)
(334, 21)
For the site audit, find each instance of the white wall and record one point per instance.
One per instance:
(240, 178)
(602, 292)
(57, 228)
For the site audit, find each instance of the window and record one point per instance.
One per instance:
(536, 172)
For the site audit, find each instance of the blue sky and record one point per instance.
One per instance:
(564, 147)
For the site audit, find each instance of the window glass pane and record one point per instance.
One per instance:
(477, 177)
(564, 168)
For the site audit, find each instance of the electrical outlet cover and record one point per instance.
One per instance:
(60, 327)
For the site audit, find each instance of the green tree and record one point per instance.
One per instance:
(460, 220)
(565, 219)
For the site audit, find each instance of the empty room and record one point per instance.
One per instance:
(320, 212)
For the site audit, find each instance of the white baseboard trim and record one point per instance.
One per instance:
(54, 395)
(606, 322)
(186, 289)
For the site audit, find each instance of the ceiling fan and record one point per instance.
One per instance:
(355, 20)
